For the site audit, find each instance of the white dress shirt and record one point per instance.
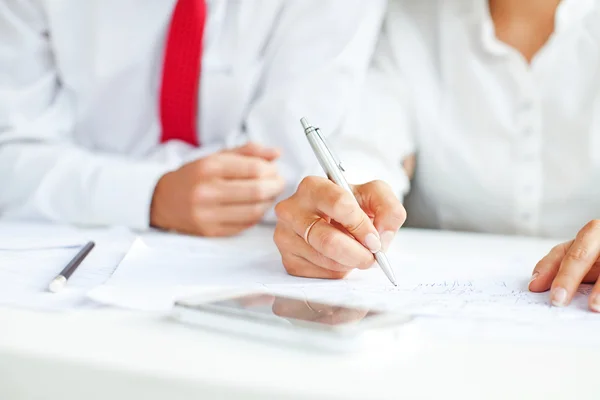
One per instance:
(502, 146)
(79, 83)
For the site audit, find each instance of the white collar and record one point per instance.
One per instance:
(569, 14)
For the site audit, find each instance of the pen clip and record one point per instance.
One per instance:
(333, 155)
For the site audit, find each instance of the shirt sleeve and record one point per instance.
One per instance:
(315, 65)
(44, 174)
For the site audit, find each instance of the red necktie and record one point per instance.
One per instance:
(181, 72)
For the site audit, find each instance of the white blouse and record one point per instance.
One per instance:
(502, 146)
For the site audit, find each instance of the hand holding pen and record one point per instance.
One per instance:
(325, 230)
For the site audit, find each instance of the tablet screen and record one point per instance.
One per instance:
(266, 306)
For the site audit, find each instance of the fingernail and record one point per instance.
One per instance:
(595, 306)
(386, 239)
(373, 242)
(559, 297)
(534, 277)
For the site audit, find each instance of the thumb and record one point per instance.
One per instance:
(256, 150)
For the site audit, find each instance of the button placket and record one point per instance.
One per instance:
(527, 181)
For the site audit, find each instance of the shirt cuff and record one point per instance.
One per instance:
(123, 194)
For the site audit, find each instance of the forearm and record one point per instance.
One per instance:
(68, 184)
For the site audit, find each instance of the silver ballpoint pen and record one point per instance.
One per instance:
(334, 170)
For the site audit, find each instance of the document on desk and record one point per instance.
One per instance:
(32, 255)
(151, 278)
(152, 275)
(495, 299)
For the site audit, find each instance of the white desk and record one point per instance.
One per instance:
(111, 354)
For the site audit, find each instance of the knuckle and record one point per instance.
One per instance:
(278, 236)
(593, 225)
(337, 275)
(342, 204)
(283, 210)
(292, 266)
(308, 183)
(566, 278)
(250, 147)
(326, 263)
(200, 218)
(258, 192)
(378, 184)
(577, 254)
(328, 240)
(345, 208)
(203, 193)
(207, 166)
(280, 209)
(269, 169)
(280, 181)
(256, 211)
(255, 168)
(356, 225)
(279, 186)
(540, 266)
(558, 251)
(399, 212)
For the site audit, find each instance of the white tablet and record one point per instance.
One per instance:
(294, 321)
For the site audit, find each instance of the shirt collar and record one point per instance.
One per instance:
(488, 30)
(569, 14)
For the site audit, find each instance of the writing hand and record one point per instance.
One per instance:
(322, 232)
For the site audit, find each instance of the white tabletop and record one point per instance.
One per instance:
(125, 355)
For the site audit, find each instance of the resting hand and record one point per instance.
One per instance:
(570, 264)
(323, 232)
(219, 195)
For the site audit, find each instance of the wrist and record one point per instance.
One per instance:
(157, 209)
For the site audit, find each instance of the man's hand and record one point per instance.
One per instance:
(219, 195)
(568, 265)
(323, 232)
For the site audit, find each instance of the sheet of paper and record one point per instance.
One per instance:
(152, 275)
(466, 277)
(481, 298)
(32, 255)
(255, 242)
